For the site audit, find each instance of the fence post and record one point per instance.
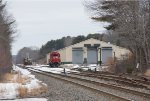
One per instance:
(114, 57)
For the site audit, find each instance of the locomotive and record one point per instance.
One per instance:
(27, 61)
(54, 60)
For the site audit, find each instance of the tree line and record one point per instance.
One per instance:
(7, 29)
(27, 52)
(38, 54)
(130, 21)
(67, 41)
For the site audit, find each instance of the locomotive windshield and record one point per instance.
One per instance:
(55, 54)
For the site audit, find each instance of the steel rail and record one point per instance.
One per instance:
(59, 76)
(129, 91)
(114, 87)
(118, 79)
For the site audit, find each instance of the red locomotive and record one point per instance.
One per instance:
(54, 60)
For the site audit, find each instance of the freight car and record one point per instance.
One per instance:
(54, 60)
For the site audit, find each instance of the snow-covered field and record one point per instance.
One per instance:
(21, 84)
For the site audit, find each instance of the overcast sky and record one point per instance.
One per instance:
(39, 21)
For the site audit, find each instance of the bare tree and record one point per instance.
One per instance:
(130, 20)
(6, 31)
(27, 52)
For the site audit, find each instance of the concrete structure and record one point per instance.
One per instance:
(91, 51)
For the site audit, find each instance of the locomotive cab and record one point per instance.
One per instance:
(54, 60)
(27, 61)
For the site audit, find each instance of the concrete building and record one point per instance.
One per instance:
(91, 51)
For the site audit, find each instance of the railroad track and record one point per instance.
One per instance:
(121, 94)
(119, 79)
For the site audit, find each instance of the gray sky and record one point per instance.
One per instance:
(39, 21)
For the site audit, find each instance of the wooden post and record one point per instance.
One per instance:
(95, 69)
(64, 71)
(100, 56)
(114, 57)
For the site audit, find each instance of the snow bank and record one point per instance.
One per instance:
(28, 81)
(8, 90)
(22, 71)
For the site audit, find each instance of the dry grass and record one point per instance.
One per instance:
(23, 91)
(15, 78)
(110, 61)
(36, 91)
(8, 77)
(2, 91)
(22, 79)
(147, 73)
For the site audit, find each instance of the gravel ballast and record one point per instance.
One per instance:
(63, 91)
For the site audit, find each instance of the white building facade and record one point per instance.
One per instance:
(91, 51)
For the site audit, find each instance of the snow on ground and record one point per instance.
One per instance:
(33, 66)
(22, 71)
(55, 70)
(8, 90)
(27, 81)
(91, 67)
(36, 66)
(69, 68)
(76, 66)
(34, 83)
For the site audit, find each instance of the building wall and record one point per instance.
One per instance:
(66, 53)
(47, 57)
(81, 44)
(120, 52)
(63, 54)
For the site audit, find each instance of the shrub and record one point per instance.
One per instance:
(147, 73)
(129, 69)
(110, 61)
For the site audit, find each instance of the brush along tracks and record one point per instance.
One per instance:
(112, 91)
